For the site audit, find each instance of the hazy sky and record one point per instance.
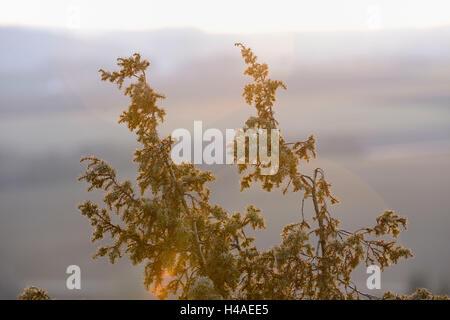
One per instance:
(227, 16)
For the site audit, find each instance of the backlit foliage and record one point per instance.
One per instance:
(34, 293)
(194, 249)
(419, 294)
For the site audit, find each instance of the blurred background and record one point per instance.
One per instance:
(370, 79)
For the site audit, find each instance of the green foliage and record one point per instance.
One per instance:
(34, 293)
(194, 249)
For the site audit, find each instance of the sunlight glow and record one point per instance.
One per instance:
(231, 16)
